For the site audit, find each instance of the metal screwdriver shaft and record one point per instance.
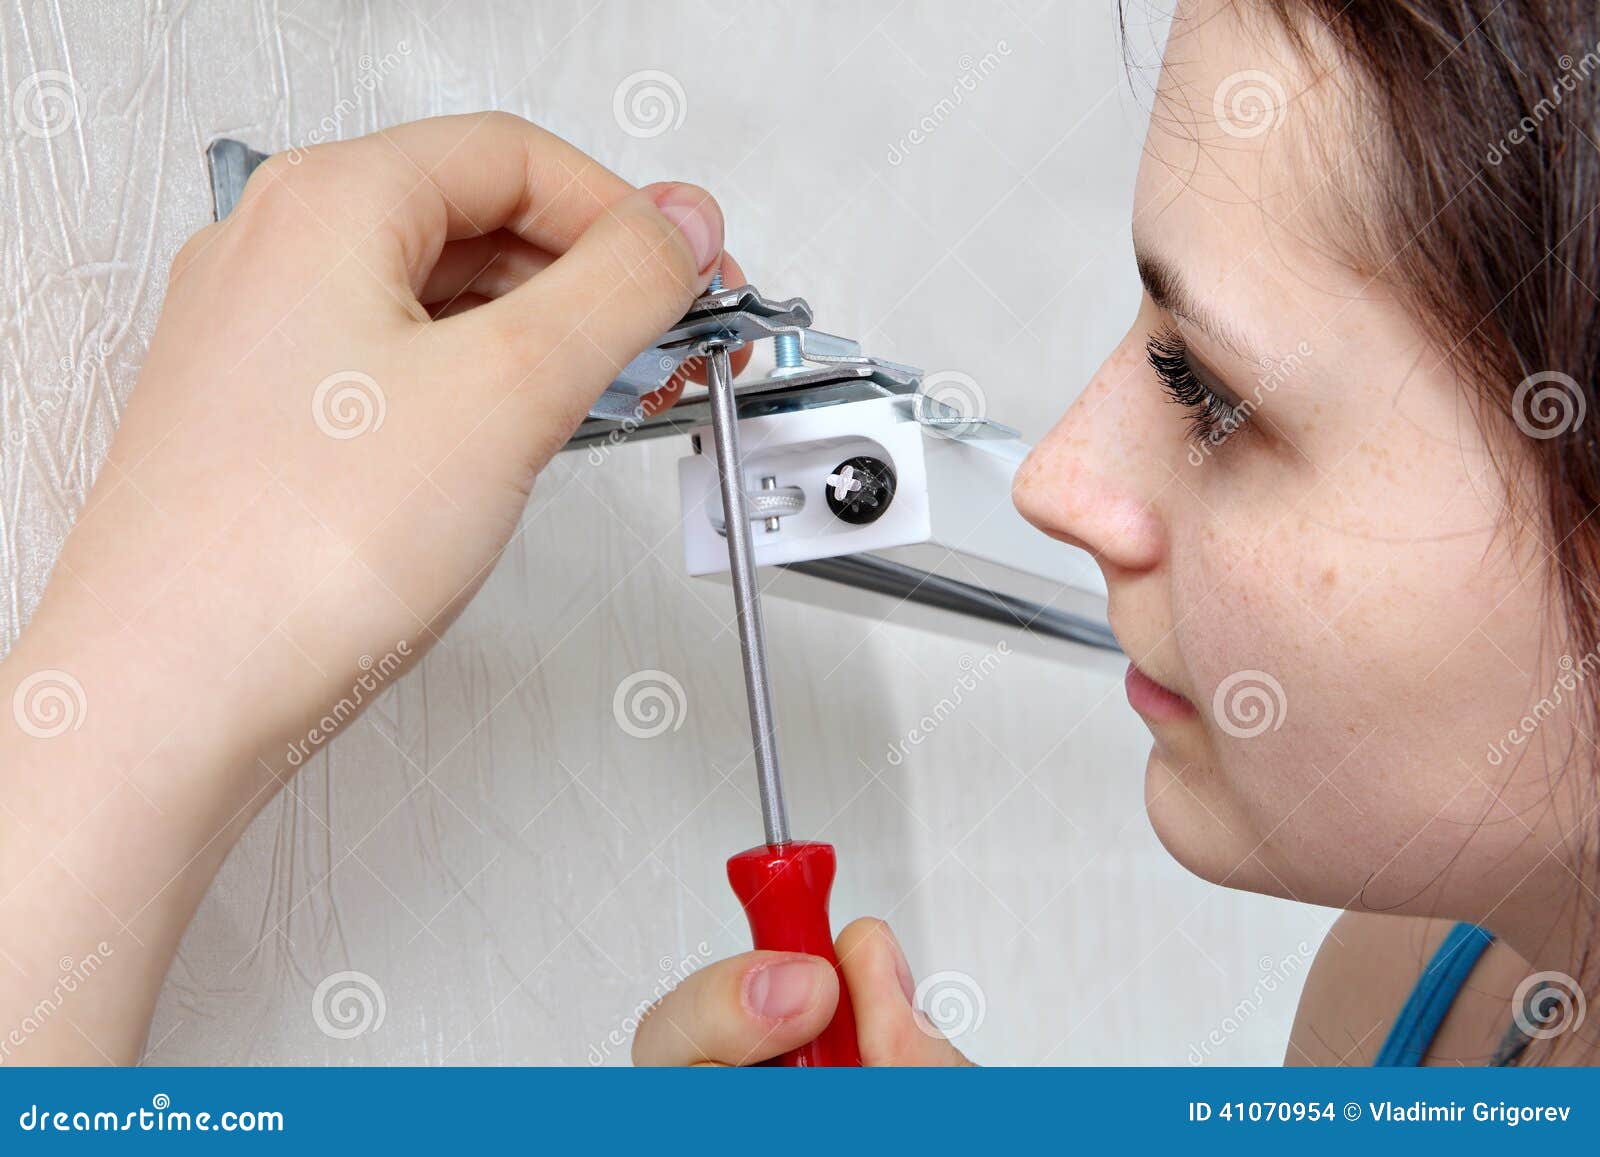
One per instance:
(746, 594)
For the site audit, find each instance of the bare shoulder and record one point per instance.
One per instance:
(1365, 969)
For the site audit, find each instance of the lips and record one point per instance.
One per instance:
(1155, 701)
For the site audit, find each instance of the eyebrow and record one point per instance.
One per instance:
(1166, 287)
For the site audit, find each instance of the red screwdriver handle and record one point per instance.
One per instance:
(784, 889)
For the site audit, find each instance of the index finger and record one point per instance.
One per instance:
(494, 170)
(448, 178)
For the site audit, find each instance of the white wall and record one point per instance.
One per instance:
(511, 869)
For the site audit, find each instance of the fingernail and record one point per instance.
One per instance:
(779, 991)
(902, 968)
(697, 217)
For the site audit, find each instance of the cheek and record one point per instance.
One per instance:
(1281, 703)
(1351, 679)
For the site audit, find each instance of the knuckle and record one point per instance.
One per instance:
(499, 120)
(278, 185)
(191, 249)
(273, 175)
(308, 183)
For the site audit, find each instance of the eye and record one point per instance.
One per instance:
(1212, 416)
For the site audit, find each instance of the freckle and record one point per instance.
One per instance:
(1330, 576)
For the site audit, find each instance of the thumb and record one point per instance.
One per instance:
(568, 331)
(889, 1029)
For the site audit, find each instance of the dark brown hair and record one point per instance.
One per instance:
(1470, 185)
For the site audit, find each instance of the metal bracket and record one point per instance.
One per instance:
(231, 163)
(836, 373)
(730, 318)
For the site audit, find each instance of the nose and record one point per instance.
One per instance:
(1094, 480)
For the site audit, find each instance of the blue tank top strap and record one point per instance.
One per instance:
(1436, 990)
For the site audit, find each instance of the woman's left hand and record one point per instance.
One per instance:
(758, 1005)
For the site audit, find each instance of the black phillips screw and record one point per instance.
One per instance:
(860, 489)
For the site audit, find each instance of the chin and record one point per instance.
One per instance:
(1192, 832)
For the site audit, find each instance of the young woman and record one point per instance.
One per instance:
(1339, 476)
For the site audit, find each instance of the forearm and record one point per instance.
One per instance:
(118, 803)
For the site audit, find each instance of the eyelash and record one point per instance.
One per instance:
(1212, 418)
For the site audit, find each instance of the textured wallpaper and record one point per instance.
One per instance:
(523, 840)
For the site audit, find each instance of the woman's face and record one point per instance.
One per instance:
(1335, 588)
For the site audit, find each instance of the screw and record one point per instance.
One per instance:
(770, 483)
(716, 281)
(860, 489)
(786, 351)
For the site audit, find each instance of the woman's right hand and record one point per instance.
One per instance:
(758, 1005)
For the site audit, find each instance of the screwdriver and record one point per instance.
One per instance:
(783, 884)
